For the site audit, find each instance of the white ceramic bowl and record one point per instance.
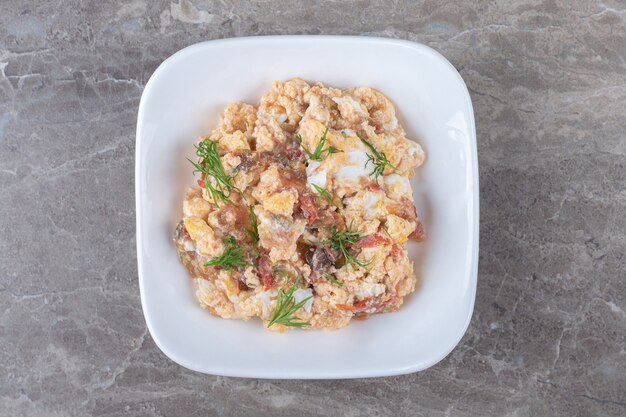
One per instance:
(183, 100)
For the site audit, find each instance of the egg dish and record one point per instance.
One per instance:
(302, 209)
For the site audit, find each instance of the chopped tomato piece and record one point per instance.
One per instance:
(407, 211)
(404, 209)
(292, 179)
(242, 285)
(377, 126)
(357, 306)
(309, 207)
(396, 252)
(370, 241)
(370, 306)
(201, 180)
(265, 272)
(373, 187)
(419, 234)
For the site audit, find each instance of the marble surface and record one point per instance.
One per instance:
(548, 83)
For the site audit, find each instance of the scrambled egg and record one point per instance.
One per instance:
(309, 163)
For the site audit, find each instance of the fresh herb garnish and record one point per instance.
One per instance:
(340, 241)
(319, 154)
(217, 183)
(332, 279)
(286, 307)
(253, 231)
(232, 257)
(379, 160)
(325, 195)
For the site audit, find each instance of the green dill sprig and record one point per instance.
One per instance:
(378, 159)
(286, 307)
(217, 183)
(319, 154)
(232, 257)
(332, 279)
(323, 193)
(253, 230)
(340, 240)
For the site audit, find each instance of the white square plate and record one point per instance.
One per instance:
(183, 100)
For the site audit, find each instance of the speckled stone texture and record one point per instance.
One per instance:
(548, 83)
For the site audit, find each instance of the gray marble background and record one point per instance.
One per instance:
(548, 83)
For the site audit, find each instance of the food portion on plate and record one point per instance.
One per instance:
(302, 209)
